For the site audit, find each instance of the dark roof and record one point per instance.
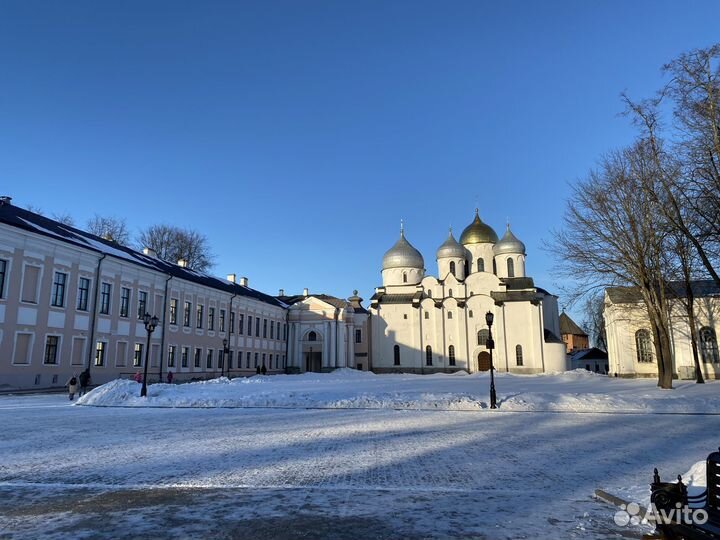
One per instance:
(35, 223)
(568, 326)
(518, 283)
(397, 298)
(550, 337)
(701, 288)
(589, 354)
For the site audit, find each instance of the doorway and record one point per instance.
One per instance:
(483, 361)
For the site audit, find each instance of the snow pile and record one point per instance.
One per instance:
(573, 391)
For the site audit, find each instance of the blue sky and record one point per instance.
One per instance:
(295, 135)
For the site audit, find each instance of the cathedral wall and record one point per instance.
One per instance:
(522, 327)
(402, 276)
(484, 251)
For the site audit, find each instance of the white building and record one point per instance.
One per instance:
(424, 324)
(630, 342)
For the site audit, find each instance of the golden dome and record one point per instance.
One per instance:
(478, 232)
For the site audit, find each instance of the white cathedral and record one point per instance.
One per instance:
(425, 324)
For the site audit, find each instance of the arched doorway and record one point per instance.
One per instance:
(312, 350)
(483, 360)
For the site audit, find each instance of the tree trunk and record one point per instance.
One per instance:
(690, 306)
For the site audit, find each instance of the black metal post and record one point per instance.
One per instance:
(226, 350)
(150, 324)
(490, 344)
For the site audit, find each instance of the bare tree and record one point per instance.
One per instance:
(110, 228)
(614, 234)
(65, 219)
(174, 243)
(594, 321)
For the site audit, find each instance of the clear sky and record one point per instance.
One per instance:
(295, 135)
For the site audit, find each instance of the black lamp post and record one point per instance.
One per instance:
(490, 344)
(226, 351)
(150, 324)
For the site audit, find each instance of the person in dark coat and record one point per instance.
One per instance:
(84, 382)
(257, 370)
(263, 369)
(169, 377)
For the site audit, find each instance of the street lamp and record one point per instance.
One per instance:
(490, 344)
(150, 324)
(226, 351)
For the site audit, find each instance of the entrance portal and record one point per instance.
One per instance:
(483, 361)
(313, 361)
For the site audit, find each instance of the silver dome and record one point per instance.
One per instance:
(451, 249)
(509, 244)
(403, 255)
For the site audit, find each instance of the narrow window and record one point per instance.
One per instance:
(511, 268)
(263, 360)
(450, 293)
(186, 314)
(142, 304)
(256, 360)
(494, 267)
(211, 318)
(264, 328)
(232, 322)
(51, 350)
(451, 354)
(272, 329)
(173, 310)
(247, 360)
(137, 357)
(428, 355)
(427, 314)
(257, 326)
(312, 336)
(105, 292)
(429, 293)
(404, 315)
(644, 346)
(198, 352)
(209, 362)
(3, 272)
(404, 277)
(708, 345)
(185, 354)
(230, 360)
(358, 335)
(83, 294)
(199, 316)
(249, 325)
(470, 314)
(222, 320)
(241, 323)
(31, 277)
(171, 356)
(124, 301)
(518, 354)
(480, 265)
(100, 353)
(58, 289)
(396, 353)
(449, 314)
(452, 267)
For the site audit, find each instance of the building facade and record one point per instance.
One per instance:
(425, 324)
(573, 336)
(70, 300)
(631, 349)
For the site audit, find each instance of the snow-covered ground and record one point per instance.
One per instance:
(129, 472)
(578, 391)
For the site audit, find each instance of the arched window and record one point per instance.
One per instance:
(494, 267)
(427, 315)
(428, 355)
(511, 268)
(518, 354)
(470, 314)
(312, 336)
(404, 277)
(451, 354)
(481, 265)
(450, 293)
(396, 351)
(708, 345)
(483, 336)
(449, 314)
(452, 267)
(467, 268)
(429, 293)
(644, 346)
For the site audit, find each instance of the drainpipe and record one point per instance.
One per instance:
(287, 341)
(94, 313)
(228, 335)
(164, 327)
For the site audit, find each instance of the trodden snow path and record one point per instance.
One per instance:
(82, 472)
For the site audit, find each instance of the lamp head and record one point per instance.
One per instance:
(489, 318)
(225, 343)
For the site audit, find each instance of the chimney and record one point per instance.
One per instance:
(150, 252)
(244, 281)
(4, 199)
(306, 292)
(182, 263)
(281, 292)
(231, 278)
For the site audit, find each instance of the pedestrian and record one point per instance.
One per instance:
(137, 377)
(169, 377)
(263, 369)
(257, 370)
(84, 382)
(72, 386)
